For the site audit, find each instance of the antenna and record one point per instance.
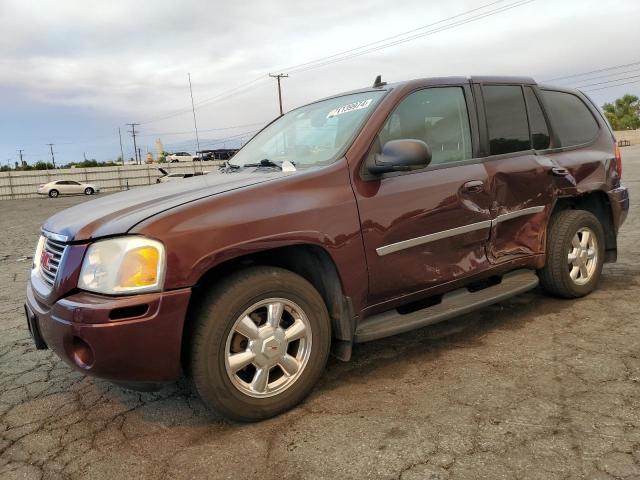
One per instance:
(378, 82)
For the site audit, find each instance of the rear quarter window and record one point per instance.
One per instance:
(570, 118)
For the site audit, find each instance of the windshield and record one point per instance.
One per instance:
(311, 135)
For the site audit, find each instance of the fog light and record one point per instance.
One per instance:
(81, 353)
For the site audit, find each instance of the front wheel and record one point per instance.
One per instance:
(53, 193)
(259, 344)
(88, 191)
(575, 254)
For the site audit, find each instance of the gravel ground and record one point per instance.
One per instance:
(534, 388)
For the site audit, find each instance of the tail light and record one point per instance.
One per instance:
(41, 186)
(618, 161)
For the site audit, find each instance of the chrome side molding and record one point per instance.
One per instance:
(413, 242)
(518, 213)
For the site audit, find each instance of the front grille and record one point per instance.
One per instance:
(54, 250)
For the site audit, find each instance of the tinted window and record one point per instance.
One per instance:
(437, 116)
(571, 119)
(537, 124)
(506, 119)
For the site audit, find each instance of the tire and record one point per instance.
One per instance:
(565, 228)
(54, 193)
(214, 338)
(88, 191)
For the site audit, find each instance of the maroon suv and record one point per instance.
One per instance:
(355, 217)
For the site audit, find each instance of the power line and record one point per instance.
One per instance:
(610, 81)
(611, 86)
(159, 134)
(392, 37)
(414, 37)
(604, 76)
(592, 71)
(216, 98)
(340, 56)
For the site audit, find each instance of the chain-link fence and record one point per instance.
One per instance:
(24, 184)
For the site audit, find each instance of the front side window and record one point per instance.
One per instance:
(437, 116)
(311, 135)
(539, 131)
(570, 118)
(506, 119)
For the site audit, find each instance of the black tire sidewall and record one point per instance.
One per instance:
(216, 320)
(53, 193)
(577, 219)
(88, 191)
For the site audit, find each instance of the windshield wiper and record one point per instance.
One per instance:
(265, 162)
(229, 167)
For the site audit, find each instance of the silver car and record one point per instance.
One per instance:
(67, 187)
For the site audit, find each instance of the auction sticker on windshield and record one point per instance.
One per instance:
(350, 107)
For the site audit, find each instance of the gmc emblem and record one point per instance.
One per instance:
(45, 258)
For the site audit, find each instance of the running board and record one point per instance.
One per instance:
(454, 303)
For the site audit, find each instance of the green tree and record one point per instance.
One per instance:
(624, 113)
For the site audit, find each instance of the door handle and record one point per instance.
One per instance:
(560, 171)
(473, 186)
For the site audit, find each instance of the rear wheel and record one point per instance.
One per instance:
(54, 193)
(575, 254)
(88, 191)
(260, 343)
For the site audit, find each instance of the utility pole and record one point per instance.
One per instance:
(193, 109)
(133, 133)
(52, 157)
(278, 77)
(121, 150)
(139, 156)
(85, 156)
(21, 161)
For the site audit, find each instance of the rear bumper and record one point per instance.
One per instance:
(619, 201)
(142, 347)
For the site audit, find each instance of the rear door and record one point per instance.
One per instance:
(520, 177)
(75, 187)
(429, 226)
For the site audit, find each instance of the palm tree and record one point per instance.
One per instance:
(624, 113)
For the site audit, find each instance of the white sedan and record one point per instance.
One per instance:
(66, 187)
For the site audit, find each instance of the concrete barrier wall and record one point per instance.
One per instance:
(109, 179)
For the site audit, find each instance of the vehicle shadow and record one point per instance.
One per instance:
(369, 359)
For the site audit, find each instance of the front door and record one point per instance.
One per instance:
(429, 226)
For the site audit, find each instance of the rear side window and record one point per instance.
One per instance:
(538, 125)
(438, 116)
(506, 119)
(572, 121)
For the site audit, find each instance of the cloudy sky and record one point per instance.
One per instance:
(72, 71)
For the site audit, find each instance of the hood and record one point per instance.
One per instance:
(118, 213)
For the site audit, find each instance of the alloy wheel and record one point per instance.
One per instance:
(268, 347)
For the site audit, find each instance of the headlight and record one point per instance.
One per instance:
(123, 265)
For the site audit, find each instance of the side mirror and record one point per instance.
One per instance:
(401, 156)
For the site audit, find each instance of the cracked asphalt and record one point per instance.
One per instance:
(532, 388)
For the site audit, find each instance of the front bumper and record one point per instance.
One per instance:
(127, 339)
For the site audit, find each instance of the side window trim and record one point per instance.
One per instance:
(545, 115)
